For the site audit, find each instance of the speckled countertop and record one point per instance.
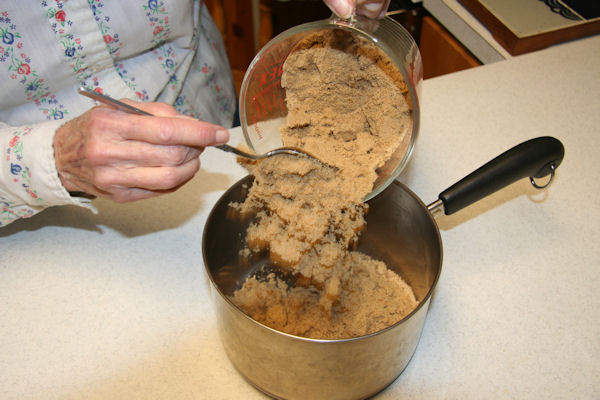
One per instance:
(117, 305)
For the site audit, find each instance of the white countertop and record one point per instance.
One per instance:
(117, 305)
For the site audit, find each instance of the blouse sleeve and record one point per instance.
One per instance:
(29, 181)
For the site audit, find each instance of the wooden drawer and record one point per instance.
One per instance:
(441, 52)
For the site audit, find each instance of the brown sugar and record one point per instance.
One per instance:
(347, 105)
(300, 203)
(371, 298)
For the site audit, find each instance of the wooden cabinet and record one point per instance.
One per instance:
(236, 20)
(441, 52)
(247, 25)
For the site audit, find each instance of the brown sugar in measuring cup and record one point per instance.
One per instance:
(263, 106)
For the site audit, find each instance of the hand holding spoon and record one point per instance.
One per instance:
(102, 98)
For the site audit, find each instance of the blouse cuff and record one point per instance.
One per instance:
(44, 176)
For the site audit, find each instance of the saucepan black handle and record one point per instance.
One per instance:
(534, 158)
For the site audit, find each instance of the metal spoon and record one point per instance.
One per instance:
(102, 98)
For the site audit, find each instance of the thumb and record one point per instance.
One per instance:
(341, 8)
(374, 9)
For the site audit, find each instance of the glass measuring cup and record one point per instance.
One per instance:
(263, 107)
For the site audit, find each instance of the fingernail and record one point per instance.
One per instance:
(341, 8)
(371, 10)
(222, 136)
(346, 11)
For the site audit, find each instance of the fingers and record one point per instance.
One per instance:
(134, 194)
(130, 184)
(127, 157)
(131, 153)
(341, 8)
(373, 9)
(155, 108)
(166, 130)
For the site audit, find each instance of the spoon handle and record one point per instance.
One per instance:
(111, 102)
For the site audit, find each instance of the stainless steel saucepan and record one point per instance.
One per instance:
(401, 231)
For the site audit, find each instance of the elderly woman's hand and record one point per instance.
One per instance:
(126, 157)
(369, 8)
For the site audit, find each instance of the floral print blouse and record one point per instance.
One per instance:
(148, 50)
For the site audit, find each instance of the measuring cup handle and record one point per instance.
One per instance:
(534, 158)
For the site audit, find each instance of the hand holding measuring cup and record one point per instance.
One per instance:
(374, 9)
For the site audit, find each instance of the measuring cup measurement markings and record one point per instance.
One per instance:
(272, 74)
(268, 82)
(266, 98)
(270, 104)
